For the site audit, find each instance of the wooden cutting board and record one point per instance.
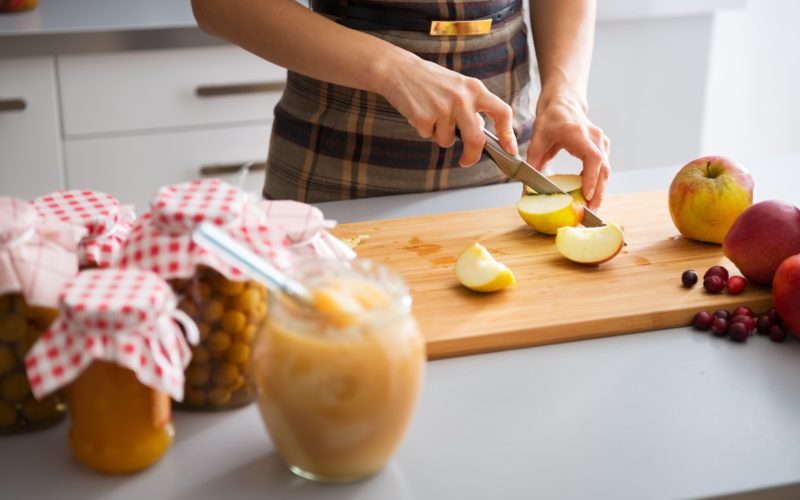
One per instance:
(554, 300)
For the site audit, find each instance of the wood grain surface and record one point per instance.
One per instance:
(554, 300)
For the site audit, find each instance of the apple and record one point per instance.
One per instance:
(707, 195)
(761, 238)
(548, 212)
(590, 245)
(477, 270)
(786, 293)
(571, 183)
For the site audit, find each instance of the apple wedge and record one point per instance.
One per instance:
(590, 245)
(571, 183)
(477, 270)
(548, 212)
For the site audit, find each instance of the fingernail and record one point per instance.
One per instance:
(590, 194)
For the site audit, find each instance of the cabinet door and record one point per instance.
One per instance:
(132, 168)
(30, 155)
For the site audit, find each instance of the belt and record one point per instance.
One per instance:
(376, 17)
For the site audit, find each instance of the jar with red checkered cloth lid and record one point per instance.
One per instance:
(37, 258)
(107, 223)
(118, 347)
(228, 308)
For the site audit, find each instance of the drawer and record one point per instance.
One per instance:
(30, 155)
(141, 90)
(132, 168)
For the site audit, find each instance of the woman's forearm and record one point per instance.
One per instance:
(563, 36)
(290, 35)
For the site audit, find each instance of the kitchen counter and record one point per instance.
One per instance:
(665, 414)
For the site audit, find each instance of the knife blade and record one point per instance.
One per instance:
(517, 168)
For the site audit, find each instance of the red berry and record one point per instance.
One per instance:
(717, 271)
(777, 333)
(689, 278)
(738, 332)
(722, 313)
(763, 324)
(719, 327)
(702, 320)
(736, 285)
(713, 284)
(743, 310)
(773, 316)
(747, 321)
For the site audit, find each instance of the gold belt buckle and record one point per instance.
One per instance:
(461, 28)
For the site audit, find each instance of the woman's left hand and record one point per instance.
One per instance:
(561, 123)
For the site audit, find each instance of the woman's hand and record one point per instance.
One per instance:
(436, 101)
(561, 123)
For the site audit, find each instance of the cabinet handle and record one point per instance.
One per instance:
(16, 104)
(232, 168)
(238, 88)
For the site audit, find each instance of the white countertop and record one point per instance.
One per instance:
(667, 414)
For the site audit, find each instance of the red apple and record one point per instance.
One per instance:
(786, 293)
(707, 195)
(761, 238)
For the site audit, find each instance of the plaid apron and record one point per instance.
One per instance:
(331, 142)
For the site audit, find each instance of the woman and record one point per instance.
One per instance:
(371, 108)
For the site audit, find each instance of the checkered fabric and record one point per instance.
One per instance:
(107, 223)
(161, 240)
(37, 256)
(124, 316)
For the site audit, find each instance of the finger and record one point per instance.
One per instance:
(502, 116)
(538, 151)
(599, 192)
(471, 136)
(424, 125)
(592, 158)
(444, 134)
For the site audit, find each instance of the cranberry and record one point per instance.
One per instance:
(747, 321)
(713, 284)
(717, 271)
(736, 285)
(738, 332)
(689, 278)
(719, 327)
(777, 333)
(773, 316)
(722, 313)
(743, 311)
(702, 320)
(763, 324)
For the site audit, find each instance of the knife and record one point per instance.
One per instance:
(517, 168)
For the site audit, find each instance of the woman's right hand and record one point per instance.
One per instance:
(436, 101)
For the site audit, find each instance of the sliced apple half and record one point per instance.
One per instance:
(590, 245)
(571, 183)
(548, 212)
(477, 270)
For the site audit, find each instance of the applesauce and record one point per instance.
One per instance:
(338, 383)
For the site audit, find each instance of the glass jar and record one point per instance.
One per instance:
(20, 327)
(119, 425)
(228, 314)
(338, 383)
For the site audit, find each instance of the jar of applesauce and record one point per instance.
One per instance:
(37, 258)
(338, 382)
(107, 223)
(117, 347)
(228, 308)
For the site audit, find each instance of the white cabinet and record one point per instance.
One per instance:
(30, 156)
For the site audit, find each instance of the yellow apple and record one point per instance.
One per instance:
(571, 183)
(707, 195)
(590, 245)
(548, 212)
(477, 270)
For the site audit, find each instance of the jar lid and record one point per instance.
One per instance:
(106, 222)
(125, 316)
(181, 207)
(37, 256)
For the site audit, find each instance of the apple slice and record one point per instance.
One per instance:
(477, 270)
(590, 245)
(548, 212)
(571, 183)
